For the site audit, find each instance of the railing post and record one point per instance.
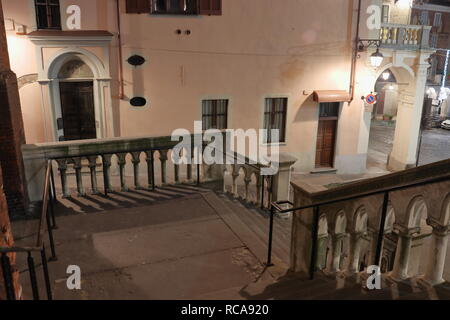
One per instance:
(50, 237)
(314, 232)
(136, 162)
(52, 179)
(79, 177)
(269, 246)
(52, 211)
(7, 277)
(46, 273)
(62, 167)
(122, 162)
(381, 229)
(33, 279)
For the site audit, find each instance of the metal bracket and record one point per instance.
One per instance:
(366, 43)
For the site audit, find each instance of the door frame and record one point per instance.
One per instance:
(335, 149)
(60, 115)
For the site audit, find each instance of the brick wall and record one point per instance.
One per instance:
(12, 135)
(6, 239)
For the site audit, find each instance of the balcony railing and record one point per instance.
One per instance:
(404, 36)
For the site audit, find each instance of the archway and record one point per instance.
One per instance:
(394, 121)
(77, 77)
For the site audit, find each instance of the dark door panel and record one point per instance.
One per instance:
(326, 138)
(77, 106)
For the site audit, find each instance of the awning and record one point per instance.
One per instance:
(331, 96)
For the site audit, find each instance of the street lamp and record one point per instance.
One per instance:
(376, 59)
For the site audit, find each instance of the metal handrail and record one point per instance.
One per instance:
(48, 197)
(276, 208)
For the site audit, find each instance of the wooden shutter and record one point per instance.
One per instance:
(138, 6)
(211, 7)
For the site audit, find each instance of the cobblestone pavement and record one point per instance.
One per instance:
(435, 145)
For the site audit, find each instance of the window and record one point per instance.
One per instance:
(385, 14)
(434, 40)
(424, 18)
(138, 6)
(437, 19)
(275, 118)
(211, 7)
(47, 14)
(175, 6)
(215, 114)
(329, 110)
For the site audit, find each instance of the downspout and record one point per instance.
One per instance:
(119, 37)
(355, 56)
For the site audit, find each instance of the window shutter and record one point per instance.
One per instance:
(211, 7)
(138, 6)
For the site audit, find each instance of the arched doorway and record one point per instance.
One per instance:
(75, 76)
(76, 88)
(395, 120)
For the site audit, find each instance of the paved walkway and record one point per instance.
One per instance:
(169, 244)
(435, 145)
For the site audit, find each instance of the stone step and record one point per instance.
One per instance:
(260, 227)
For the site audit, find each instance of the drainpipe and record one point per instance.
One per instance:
(355, 56)
(119, 37)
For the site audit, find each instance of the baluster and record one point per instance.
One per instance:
(77, 166)
(258, 188)
(177, 173)
(62, 167)
(416, 36)
(136, 161)
(247, 187)
(234, 186)
(394, 35)
(163, 158)
(106, 159)
(122, 162)
(150, 169)
(93, 168)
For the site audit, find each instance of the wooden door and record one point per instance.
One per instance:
(77, 106)
(326, 139)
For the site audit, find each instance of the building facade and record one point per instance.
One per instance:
(103, 69)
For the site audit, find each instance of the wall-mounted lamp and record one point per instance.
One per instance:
(376, 59)
(386, 75)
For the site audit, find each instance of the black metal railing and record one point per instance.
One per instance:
(276, 208)
(47, 222)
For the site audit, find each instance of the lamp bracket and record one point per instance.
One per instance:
(366, 43)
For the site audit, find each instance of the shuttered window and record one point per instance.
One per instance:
(211, 7)
(215, 114)
(175, 6)
(138, 6)
(48, 15)
(275, 118)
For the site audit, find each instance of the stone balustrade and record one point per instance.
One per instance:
(415, 231)
(405, 36)
(147, 159)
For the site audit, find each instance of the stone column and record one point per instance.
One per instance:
(438, 251)
(402, 254)
(337, 250)
(355, 251)
(404, 150)
(12, 135)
